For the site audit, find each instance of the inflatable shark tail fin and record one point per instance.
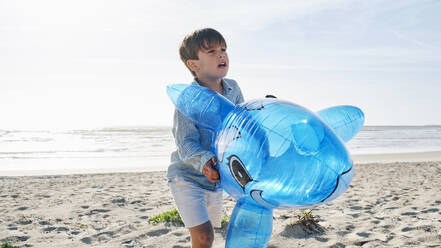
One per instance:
(250, 226)
(346, 121)
(202, 105)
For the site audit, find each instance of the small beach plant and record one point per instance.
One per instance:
(167, 217)
(308, 223)
(6, 245)
(307, 216)
(224, 221)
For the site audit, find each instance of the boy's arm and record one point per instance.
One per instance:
(187, 140)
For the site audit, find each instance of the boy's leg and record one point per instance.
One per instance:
(191, 202)
(195, 207)
(202, 236)
(214, 207)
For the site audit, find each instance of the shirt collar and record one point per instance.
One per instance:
(225, 84)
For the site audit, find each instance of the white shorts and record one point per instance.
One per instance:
(195, 204)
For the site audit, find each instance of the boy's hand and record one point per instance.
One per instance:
(210, 171)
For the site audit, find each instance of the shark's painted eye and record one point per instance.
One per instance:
(238, 171)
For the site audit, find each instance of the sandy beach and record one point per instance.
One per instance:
(394, 204)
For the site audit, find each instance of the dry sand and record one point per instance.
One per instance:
(387, 205)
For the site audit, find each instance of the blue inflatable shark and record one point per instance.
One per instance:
(272, 154)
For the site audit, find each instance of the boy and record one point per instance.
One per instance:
(192, 174)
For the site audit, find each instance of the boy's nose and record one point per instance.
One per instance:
(223, 54)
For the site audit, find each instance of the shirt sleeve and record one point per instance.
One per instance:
(239, 96)
(187, 141)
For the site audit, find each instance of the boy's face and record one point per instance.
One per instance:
(212, 63)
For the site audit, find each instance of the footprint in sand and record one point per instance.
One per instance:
(87, 240)
(361, 243)
(337, 245)
(12, 227)
(350, 227)
(431, 210)
(62, 229)
(145, 209)
(128, 243)
(104, 236)
(158, 232)
(364, 234)
(354, 215)
(49, 229)
(24, 221)
(186, 240)
(409, 213)
(392, 208)
(178, 246)
(342, 233)
(15, 239)
(407, 229)
(95, 211)
(178, 234)
(119, 201)
(320, 239)
(356, 208)
(44, 223)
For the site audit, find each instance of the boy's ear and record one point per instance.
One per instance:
(191, 63)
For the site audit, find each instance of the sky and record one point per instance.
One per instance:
(92, 64)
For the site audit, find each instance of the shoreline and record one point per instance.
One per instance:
(359, 159)
(397, 157)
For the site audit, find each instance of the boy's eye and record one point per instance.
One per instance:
(223, 49)
(210, 51)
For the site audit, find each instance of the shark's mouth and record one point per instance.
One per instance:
(257, 197)
(242, 177)
(336, 188)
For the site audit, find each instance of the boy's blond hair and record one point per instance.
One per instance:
(205, 38)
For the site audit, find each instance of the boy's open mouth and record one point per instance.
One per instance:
(222, 65)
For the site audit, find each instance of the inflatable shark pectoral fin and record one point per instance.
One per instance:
(308, 136)
(203, 106)
(250, 226)
(346, 121)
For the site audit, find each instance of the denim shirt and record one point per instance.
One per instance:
(194, 143)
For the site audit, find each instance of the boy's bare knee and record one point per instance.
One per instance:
(202, 235)
(206, 239)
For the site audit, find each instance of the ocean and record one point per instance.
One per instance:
(149, 148)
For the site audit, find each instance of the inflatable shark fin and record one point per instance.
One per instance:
(346, 121)
(203, 106)
(250, 226)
